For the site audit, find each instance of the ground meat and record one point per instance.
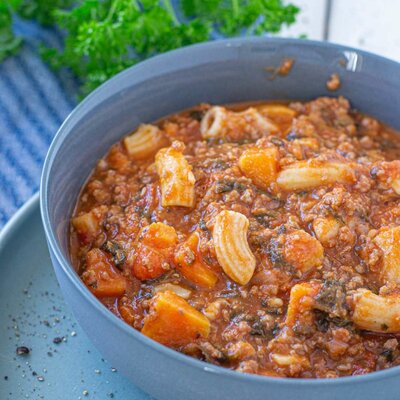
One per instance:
(313, 247)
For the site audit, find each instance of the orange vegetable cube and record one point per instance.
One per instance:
(199, 274)
(155, 251)
(172, 321)
(189, 264)
(301, 301)
(149, 263)
(260, 165)
(159, 235)
(100, 276)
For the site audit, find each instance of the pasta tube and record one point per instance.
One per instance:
(388, 240)
(304, 175)
(233, 251)
(176, 176)
(376, 313)
(145, 141)
(221, 123)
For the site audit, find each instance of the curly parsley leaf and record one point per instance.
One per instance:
(233, 16)
(9, 43)
(41, 10)
(103, 37)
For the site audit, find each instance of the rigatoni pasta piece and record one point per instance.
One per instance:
(176, 177)
(145, 141)
(376, 313)
(388, 240)
(221, 123)
(173, 321)
(231, 246)
(305, 175)
(214, 122)
(260, 165)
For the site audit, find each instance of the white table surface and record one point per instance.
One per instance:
(372, 25)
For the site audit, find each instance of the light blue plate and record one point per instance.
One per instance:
(32, 314)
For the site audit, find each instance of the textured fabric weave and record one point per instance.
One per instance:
(33, 103)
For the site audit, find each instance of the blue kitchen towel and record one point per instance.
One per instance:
(34, 101)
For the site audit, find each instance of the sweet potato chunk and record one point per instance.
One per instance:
(260, 165)
(172, 321)
(159, 235)
(100, 276)
(149, 263)
(155, 251)
(189, 264)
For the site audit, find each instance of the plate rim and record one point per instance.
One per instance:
(18, 218)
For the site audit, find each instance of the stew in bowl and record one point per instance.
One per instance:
(263, 237)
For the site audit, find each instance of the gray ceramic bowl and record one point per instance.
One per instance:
(217, 72)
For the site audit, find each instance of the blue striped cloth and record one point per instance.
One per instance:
(34, 101)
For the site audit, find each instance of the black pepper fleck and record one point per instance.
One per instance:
(57, 340)
(22, 350)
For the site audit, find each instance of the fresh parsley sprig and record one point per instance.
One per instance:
(103, 37)
(9, 43)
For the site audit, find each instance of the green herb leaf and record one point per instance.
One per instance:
(41, 10)
(9, 44)
(103, 37)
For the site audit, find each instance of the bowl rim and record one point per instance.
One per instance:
(67, 268)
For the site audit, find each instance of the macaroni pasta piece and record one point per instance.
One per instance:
(306, 175)
(233, 251)
(145, 141)
(176, 177)
(376, 313)
(388, 241)
(221, 123)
